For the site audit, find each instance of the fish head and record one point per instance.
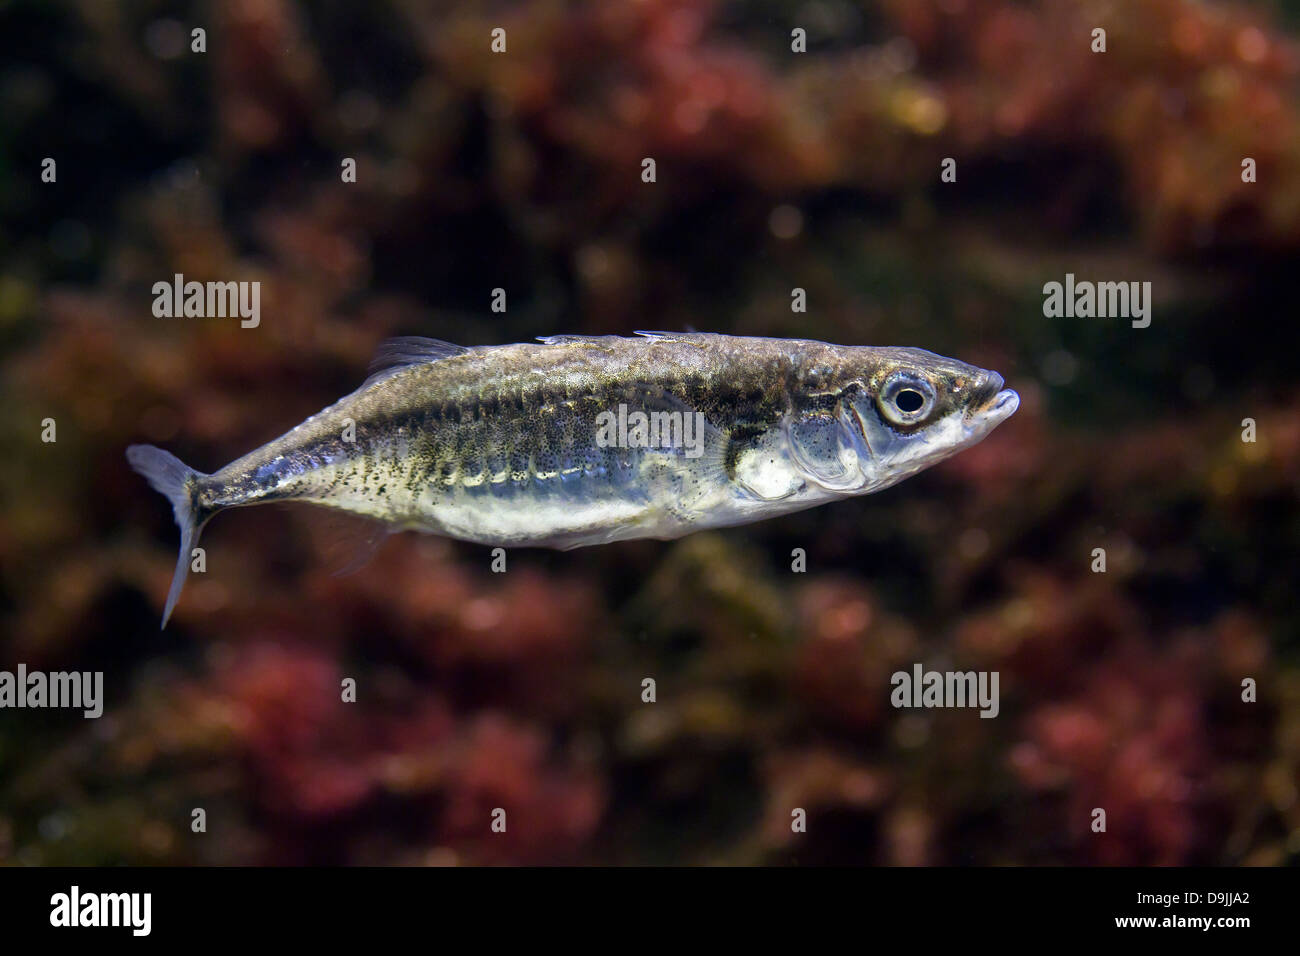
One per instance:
(878, 415)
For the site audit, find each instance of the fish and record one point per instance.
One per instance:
(577, 440)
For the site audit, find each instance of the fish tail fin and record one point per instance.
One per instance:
(179, 482)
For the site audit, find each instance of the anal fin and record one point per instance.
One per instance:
(347, 541)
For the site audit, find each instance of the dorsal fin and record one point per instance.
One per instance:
(598, 339)
(574, 339)
(405, 351)
(690, 336)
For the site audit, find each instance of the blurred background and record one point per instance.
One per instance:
(776, 170)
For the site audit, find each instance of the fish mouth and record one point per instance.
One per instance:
(994, 404)
(1003, 405)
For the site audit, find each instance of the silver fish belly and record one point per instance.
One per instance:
(584, 440)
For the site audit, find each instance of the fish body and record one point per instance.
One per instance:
(584, 440)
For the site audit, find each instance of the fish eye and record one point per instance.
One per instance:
(909, 400)
(906, 399)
